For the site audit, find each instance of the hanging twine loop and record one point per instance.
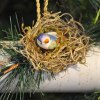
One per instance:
(38, 10)
(45, 6)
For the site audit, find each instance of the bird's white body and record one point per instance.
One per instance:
(47, 40)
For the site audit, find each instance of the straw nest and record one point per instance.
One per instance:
(72, 43)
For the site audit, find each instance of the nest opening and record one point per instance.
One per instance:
(72, 43)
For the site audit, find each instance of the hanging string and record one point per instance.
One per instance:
(38, 10)
(45, 6)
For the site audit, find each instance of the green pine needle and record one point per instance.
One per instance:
(97, 17)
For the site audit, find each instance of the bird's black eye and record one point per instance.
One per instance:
(40, 42)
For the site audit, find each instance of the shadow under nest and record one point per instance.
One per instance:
(72, 43)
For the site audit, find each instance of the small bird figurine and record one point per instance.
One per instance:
(47, 40)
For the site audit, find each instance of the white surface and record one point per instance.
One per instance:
(77, 78)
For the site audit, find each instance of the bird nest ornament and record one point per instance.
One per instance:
(54, 42)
